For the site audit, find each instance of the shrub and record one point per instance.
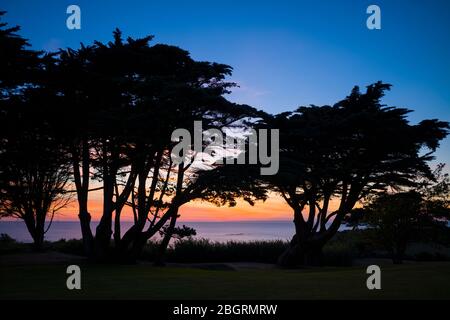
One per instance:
(10, 245)
(204, 250)
(6, 238)
(72, 246)
(338, 254)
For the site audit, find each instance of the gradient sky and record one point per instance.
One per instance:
(284, 53)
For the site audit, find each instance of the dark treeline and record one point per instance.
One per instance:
(100, 117)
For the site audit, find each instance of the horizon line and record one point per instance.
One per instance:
(180, 221)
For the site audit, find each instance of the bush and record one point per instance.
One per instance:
(6, 239)
(338, 254)
(204, 250)
(9, 245)
(339, 251)
(424, 256)
(150, 250)
(72, 246)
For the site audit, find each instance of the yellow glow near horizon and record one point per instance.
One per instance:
(274, 208)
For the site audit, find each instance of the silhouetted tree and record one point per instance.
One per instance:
(33, 166)
(128, 97)
(395, 218)
(398, 218)
(18, 64)
(33, 179)
(435, 192)
(334, 156)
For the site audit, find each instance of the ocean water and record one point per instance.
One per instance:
(216, 231)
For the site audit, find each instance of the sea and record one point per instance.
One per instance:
(214, 231)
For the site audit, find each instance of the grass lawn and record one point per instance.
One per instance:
(417, 281)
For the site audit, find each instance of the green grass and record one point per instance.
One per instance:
(430, 280)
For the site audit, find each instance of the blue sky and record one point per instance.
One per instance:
(284, 53)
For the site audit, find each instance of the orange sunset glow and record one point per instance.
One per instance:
(274, 208)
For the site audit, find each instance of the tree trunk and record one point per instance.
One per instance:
(38, 237)
(101, 243)
(38, 241)
(104, 229)
(161, 255)
(117, 232)
(82, 186)
(88, 238)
